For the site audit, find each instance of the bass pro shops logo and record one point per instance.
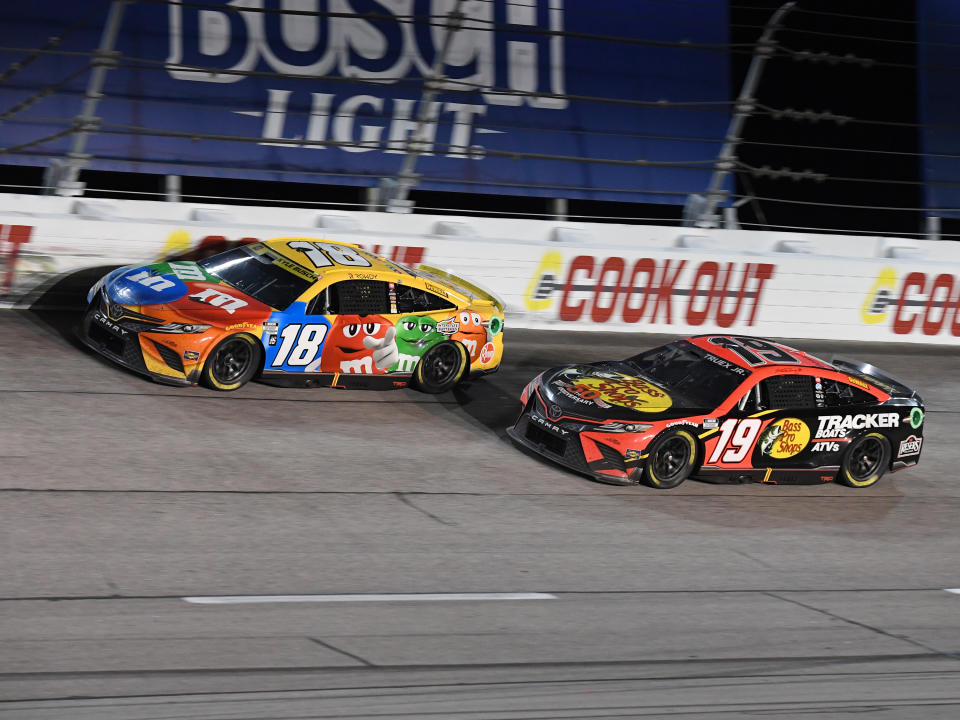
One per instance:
(785, 438)
(919, 304)
(505, 53)
(651, 290)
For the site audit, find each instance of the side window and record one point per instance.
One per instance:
(754, 400)
(780, 393)
(839, 394)
(352, 297)
(790, 391)
(413, 300)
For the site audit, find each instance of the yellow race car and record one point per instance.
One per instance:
(295, 310)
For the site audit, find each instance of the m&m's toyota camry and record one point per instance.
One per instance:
(723, 409)
(295, 310)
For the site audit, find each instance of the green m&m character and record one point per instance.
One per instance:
(414, 335)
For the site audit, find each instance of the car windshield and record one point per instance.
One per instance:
(705, 380)
(261, 274)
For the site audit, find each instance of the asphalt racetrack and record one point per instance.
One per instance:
(122, 497)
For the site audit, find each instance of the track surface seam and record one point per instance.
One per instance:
(865, 626)
(639, 492)
(559, 593)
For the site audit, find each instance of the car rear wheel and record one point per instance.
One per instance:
(232, 362)
(672, 459)
(866, 461)
(441, 367)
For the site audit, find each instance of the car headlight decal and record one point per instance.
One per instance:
(619, 427)
(188, 328)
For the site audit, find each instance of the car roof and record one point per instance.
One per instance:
(377, 264)
(720, 345)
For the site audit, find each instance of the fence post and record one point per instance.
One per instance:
(172, 188)
(394, 195)
(742, 109)
(104, 59)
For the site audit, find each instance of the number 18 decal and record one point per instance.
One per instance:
(736, 439)
(300, 346)
(321, 254)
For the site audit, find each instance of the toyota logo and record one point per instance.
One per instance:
(554, 411)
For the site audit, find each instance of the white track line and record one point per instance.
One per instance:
(412, 597)
(955, 591)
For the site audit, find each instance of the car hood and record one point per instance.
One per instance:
(181, 289)
(610, 390)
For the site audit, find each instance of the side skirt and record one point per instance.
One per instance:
(769, 476)
(351, 381)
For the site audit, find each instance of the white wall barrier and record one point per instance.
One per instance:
(555, 275)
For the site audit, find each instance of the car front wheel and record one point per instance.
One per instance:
(671, 460)
(232, 363)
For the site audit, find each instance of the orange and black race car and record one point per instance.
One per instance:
(723, 409)
(295, 311)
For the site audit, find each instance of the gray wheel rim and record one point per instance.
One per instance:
(232, 360)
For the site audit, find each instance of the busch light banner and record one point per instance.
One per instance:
(938, 55)
(329, 91)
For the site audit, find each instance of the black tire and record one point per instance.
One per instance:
(672, 459)
(865, 461)
(441, 367)
(233, 362)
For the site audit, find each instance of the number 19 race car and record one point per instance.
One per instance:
(295, 310)
(724, 409)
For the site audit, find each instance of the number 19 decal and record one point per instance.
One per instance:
(300, 346)
(736, 439)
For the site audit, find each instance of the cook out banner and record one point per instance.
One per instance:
(549, 274)
(521, 82)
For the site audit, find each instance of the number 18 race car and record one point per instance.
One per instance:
(724, 409)
(295, 310)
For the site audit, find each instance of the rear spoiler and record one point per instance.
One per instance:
(874, 375)
(465, 287)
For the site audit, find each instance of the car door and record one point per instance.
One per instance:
(424, 319)
(771, 425)
(361, 314)
(845, 411)
(380, 327)
(344, 328)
